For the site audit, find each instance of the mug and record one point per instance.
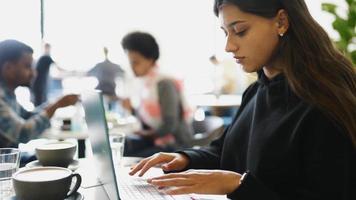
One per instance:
(43, 183)
(58, 154)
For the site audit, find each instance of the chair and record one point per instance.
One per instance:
(207, 130)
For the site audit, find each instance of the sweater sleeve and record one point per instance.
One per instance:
(169, 101)
(327, 167)
(206, 157)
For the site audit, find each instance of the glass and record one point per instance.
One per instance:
(9, 164)
(121, 87)
(122, 91)
(117, 144)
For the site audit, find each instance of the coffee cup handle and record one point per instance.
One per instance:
(77, 184)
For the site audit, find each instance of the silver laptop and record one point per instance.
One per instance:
(117, 185)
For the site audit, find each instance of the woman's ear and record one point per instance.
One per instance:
(282, 22)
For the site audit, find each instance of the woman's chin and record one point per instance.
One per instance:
(248, 69)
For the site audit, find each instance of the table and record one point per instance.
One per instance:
(90, 193)
(94, 193)
(222, 105)
(125, 125)
(212, 100)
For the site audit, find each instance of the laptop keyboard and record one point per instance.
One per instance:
(138, 188)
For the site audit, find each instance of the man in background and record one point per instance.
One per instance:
(39, 87)
(106, 72)
(17, 124)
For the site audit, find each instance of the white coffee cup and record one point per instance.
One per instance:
(43, 183)
(58, 154)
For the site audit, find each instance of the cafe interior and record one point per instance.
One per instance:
(95, 103)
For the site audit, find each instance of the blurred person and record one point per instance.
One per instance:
(162, 110)
(107, 72)
(17, 124)
(294, 135)
(42, 82)
(230, 77)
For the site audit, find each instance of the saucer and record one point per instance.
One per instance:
(72, 166)
(75, 196)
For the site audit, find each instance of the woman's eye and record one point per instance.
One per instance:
(240, 33)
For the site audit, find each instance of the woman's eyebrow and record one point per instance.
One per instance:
(234, 23)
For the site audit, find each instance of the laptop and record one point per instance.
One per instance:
(116, 183)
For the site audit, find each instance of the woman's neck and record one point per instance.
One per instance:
(273, 70)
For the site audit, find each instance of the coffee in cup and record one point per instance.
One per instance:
(43, 183)
(56, 153)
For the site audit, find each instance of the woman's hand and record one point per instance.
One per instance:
(198, 181)
(173, 162)
(148, 134)
(126, 103)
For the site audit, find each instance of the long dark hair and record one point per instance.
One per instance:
(316, 71)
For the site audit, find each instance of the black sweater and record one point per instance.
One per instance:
(291, 149)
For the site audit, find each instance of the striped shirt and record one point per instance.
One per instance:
(17, 124)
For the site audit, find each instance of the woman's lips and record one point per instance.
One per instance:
(239, 59)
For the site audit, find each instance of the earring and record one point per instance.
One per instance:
(281, 34)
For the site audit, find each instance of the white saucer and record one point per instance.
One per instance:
(72, 166)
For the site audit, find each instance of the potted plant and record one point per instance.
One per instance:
(345, 26)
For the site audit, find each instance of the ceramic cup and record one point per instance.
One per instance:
(58, 154)
(44, 183)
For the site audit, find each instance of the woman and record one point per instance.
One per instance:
(162, 109)
(294, 135)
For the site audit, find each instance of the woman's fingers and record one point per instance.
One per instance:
(198, 181)
(180, 190)
(138, 166)
(172, 182)
(149, 162)
(168, 176)
(142, 164)
(171, 165)
(156, 159)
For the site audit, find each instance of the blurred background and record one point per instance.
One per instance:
(187, 31)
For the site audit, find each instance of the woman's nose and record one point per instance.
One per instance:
(231, 45)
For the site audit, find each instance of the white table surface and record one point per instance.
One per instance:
(216, 101)
(126, 125)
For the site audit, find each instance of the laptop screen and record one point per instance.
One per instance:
(99, 139)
